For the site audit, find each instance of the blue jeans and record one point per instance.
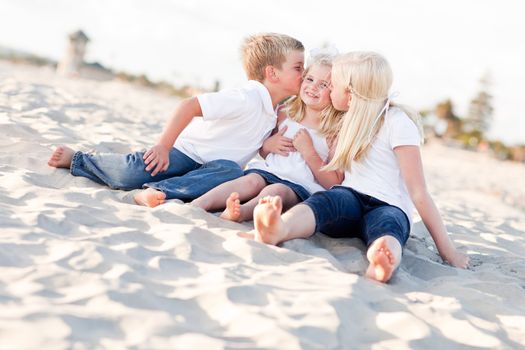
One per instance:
(342, 212)
(184, 179)
(199, 181)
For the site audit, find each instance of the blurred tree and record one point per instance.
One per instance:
(480, 111)
(445, 112)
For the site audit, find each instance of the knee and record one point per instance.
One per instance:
(223, 163)
(225, 167)
(276, 190)
(254, 181)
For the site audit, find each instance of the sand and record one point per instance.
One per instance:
(81, 267)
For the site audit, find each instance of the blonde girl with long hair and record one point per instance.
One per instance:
(378, 149)
(294, 156)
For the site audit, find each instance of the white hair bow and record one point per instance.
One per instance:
(329, 50)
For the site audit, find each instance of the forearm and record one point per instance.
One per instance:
(180, 119)
(263, 152)
(326, 179)
(434, 224)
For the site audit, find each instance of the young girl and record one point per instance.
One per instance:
(294, 175)
(378, 146)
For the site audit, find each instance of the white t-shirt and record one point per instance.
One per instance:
(377, 174)
(293, 167)
(234, 124)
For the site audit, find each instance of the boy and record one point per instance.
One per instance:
(213, 148)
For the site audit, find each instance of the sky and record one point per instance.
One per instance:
(438, 50)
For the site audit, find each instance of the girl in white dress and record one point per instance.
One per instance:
(293, 157)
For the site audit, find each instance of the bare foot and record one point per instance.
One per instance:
(382, 258)
(61, 157)
(269, 227)
(150, 197)
(233, 208)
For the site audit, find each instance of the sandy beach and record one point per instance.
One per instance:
(82, 267)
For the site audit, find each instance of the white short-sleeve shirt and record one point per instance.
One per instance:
(234, 124)
(378, 174)
(293, 167)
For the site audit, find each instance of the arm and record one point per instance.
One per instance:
(411, 167)
(303, 143)
(277, 143)
(157, 157)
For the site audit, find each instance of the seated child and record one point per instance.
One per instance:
(196, 150)
(378, 147)
(312, 122)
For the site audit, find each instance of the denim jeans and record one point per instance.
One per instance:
(342, 212)
(188, 179)
(197, 182)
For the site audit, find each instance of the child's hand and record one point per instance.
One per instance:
(157, 158)
(457, 259)
(279, 144)
(302, 141)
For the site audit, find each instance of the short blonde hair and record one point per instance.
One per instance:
(330, 117)
(266, 49)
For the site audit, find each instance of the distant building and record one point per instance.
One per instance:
(73, 64)
(74, 59)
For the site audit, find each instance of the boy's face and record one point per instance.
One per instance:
(291, 72)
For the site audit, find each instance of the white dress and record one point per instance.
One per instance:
(293, 167)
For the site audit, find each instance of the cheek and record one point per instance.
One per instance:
(302, 94)
(333, 97)
(325, 98)
(339, 102)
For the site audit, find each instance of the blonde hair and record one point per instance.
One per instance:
(266, 49)
(367, 76)
(330, 117)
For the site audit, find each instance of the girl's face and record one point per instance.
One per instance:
(315, 89)
(340, 96)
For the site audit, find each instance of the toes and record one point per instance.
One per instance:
(263, 200)
(277, 202)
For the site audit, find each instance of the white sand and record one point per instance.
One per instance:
(82, 268)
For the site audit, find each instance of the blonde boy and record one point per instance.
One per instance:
(209, 138)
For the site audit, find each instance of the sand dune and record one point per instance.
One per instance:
(82, 267)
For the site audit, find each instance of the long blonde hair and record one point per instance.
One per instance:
(367, 76)
(330, 119)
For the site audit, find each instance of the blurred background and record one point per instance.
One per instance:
(459, 62)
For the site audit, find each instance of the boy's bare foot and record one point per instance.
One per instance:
(61, 157)
(233, 208)
(383, 261)
(150, 197)
(269, 228)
